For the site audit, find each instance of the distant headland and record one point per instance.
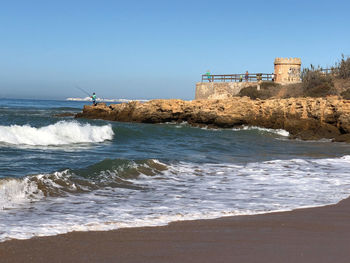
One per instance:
(105, 100)
(310, 104)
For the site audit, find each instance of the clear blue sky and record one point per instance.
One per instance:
(157, 49)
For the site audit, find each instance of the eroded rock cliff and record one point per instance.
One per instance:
(305, 118)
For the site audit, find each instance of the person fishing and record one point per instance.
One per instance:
(208, 75)
(93, 97)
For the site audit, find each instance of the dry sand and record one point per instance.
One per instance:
(305, 235)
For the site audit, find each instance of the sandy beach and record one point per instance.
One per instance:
(305, 235)
(174, 132)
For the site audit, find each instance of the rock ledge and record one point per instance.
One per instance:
(304, 118)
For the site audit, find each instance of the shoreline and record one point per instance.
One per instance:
(303, 118)
(318, 234)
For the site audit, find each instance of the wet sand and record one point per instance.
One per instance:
(305, 235)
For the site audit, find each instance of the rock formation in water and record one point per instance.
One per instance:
(304, 118)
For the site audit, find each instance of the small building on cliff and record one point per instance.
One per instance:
(286, 71)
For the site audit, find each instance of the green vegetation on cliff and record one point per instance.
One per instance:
(267, 90)
(342, 68)
(316, 84)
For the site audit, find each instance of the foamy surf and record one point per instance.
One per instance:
(118, 193)
(279, 132)
(60, 133)
(17, 192)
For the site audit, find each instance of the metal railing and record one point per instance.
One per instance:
(327, 70)
(253, 77)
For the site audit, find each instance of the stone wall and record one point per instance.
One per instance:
(220, 90)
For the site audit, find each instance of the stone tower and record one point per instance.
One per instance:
(287, 70)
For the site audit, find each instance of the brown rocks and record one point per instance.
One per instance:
(305, 118)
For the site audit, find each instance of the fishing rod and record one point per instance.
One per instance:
(87, 93)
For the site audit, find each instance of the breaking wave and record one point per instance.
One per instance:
(60, 133)
(118, 173)
(125, 193)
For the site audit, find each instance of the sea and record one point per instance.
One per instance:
(61, 174)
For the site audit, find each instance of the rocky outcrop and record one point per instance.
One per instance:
(304, 118)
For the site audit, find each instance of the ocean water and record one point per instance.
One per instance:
(59, 174)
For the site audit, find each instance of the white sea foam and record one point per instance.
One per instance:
(16, 192)
(60, 133)
(184, 191)
(280, 132)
